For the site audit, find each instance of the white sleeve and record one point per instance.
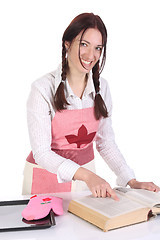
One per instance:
(106, 146)
(39, 127)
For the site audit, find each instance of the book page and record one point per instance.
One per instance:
(145, 197)
(109, 207)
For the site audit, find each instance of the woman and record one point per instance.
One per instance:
(67, 110)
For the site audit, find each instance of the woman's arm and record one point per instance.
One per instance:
(98, 186)
(106, 145)
(39, 119)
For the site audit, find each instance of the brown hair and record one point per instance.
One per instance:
(81, 23)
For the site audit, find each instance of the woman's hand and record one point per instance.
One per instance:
(97, 185)
(143, 185)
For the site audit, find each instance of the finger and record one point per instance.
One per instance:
(94, 193)
(112, 194)
(98, 191)
(152, 187)
(108, 195)
(103, 193)
(156, 189)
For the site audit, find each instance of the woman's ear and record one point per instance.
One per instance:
(67, 45)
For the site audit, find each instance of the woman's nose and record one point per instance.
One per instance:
(90, 53)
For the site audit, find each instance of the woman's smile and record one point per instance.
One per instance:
(84, 53)
(86, 64)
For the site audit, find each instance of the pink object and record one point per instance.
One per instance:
(40, 206)
(46, 182)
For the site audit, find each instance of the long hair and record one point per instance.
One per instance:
(80, 24)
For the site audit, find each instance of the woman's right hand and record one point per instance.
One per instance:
(97, 185)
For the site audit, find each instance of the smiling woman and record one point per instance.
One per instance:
(70, 108)
(83, 41)
(89, 50)
(83, 55)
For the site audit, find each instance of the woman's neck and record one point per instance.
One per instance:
(77, 82)
(75, 77)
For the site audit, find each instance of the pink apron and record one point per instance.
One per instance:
(73, 133)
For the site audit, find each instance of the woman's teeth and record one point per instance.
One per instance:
(85, 62)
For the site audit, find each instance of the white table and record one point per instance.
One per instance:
(68, 226)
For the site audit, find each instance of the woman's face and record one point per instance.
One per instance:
(90, 50)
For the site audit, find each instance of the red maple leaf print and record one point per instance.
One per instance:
(82, 138)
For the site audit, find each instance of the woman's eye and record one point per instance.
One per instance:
(99, 48)
(83, 44)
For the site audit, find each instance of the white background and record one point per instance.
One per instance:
(30, 46)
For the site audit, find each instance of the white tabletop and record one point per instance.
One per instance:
(69, 226)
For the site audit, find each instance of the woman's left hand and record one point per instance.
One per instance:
(143, 185)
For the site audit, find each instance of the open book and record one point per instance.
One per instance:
(134, 206)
